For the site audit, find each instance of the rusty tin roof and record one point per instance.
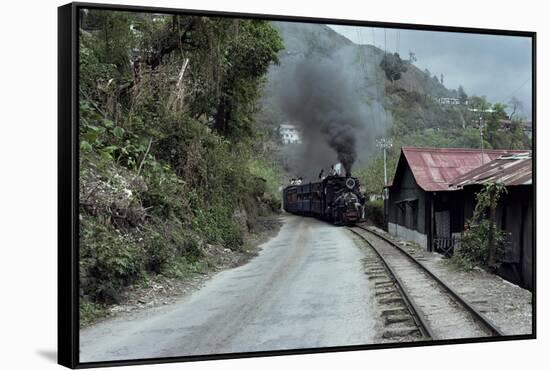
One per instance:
(509, 170)
(434, 169)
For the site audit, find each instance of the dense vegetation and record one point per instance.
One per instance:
(171, 159)
(483, 243)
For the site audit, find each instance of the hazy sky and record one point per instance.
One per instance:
(498, 67)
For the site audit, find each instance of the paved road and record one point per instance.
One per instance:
(305, 289)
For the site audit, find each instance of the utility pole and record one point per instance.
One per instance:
(385, 143)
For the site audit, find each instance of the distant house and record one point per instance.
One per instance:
(507, 125)
(451, 101)
(421, 206)
(289, 134)
(514, 213)
(488, 110)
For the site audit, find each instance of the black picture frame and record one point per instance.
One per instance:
(68, 182)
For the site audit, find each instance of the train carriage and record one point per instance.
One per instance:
(335, 198)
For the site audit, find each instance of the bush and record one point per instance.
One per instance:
(374, 211)
(475, 245)
(217, 226)
(474, 249)
(159, 251)
(270, 176)
(182, 267)
(109, 260)
(166, 241)
(89, 312)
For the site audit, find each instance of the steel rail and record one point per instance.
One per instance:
(491, 327)
(414, 309)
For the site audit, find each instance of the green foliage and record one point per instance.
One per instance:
(474, 248)
(393, 66)
(114, 37)
(244, 70)
(475, 242)
(372, 176)
(151, 144)
(109, 260)
(165, 193)
(268, 171)
(110, 141)
(167, 241)
(374, 211)
(90, 312)
(216, 224)
(183, 268)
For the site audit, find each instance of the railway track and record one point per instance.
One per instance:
(435, 309)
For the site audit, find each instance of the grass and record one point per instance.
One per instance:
(91, 312)
(183, 268)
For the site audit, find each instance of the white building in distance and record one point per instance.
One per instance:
(452, 101)
(289, 134)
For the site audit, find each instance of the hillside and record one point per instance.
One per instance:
(305, 44)
(406, 109)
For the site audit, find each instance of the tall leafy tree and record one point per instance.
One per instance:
(393, 66)
(251, 49)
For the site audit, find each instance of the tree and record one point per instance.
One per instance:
(441, 79)
(516, 105)
(494, 136)
(483, 243)
(393, 66)
(372, 176)
(516, 135)
(251, 51)
(114, 39)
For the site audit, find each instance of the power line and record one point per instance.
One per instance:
(384, 42)
(398, 41)
(518, 89)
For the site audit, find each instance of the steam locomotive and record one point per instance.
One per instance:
(336, 199)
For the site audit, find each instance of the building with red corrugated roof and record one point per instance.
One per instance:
(514, 212)
(433, 194)
(421, 206)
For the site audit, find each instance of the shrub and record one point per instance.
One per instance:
(109, 260)
(374, 211)
(89, 312)
(483, 243)
(217, 226)
(474, 249)
(166, 241)
(182, 267)
(159, 251)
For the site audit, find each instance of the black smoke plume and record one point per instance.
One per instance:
(323, 95)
